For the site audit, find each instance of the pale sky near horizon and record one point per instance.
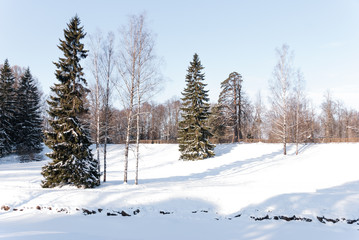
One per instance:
(228, 35)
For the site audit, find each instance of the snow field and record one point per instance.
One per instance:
(202, 197)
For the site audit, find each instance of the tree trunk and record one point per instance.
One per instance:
(106, 128)
(98, 125)
(138, 136)
(240, 136)
(104, 156)
(235, 132)
(138, 117)
(128, 131)
(108, 64)
(127, 144)
(95, 61)
(297, 128)
(285, 122)
(106, 133)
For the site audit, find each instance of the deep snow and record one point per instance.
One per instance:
(202, 198)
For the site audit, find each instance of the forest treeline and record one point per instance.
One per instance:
(332, 121)
(159, 122)
(20, 111)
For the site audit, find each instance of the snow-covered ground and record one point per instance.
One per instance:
(225, 197)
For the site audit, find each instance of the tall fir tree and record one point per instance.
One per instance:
(72, 160)
(193, 132)
(7, 111)
(28, 128)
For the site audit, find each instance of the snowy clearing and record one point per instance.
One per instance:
(248, 191)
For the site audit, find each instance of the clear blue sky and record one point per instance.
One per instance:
(228, 36)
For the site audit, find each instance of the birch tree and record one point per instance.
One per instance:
(299, 105)
(259, 110)
(328, 115)
(280, 90)
(147, 75)
(173, 111)
(107, 66)
(95, 54)
(127, 68)
(138, 69)
(102, 57)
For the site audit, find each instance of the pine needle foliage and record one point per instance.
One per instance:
(72, 160)
(28, 126)
(193, 133)
(7, 111)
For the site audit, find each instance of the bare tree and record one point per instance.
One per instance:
(107, 66)
(353, 124)
(247, 112)
(341, 128)
(102, 58)
(259, 110)
(328, 116)
(117, 125)
(147, 73)
(172, 118)
(280, 88)
(94, 56)
(126, 66)
(302, 123)
(139, 73)
(160, 121)
(300, 104)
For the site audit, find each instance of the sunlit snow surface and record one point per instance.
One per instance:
(200, 200)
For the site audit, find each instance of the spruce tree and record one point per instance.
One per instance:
(28, 116)
(7, 111)
(72, 160)
(193, 133)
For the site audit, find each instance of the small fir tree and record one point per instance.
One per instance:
(7, 111)
(28, 116)
(193, 133)
(72, 160)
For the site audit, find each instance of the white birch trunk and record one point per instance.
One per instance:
(280, 89)
(108, 65)
(128, 132)
(97, 106)
(139, 74)
(95, 58)
(297, 129)
(138, 134)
